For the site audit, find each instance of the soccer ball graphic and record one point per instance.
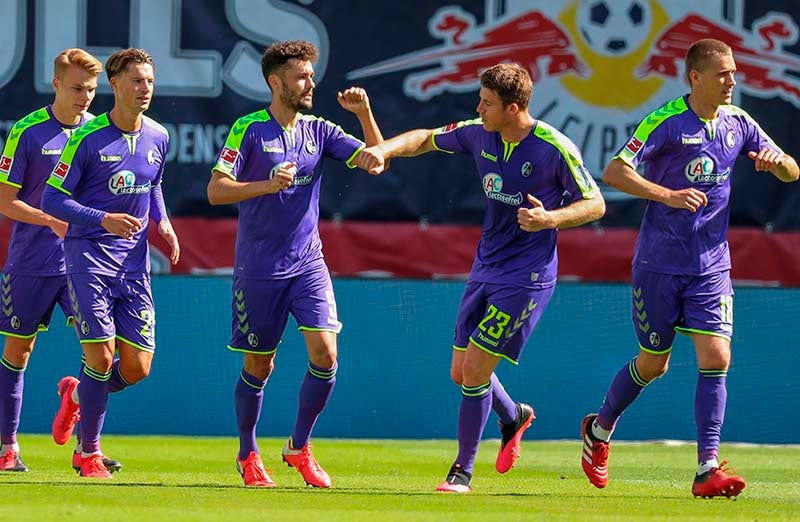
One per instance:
(614, 27)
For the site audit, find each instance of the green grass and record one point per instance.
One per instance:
(180, 478)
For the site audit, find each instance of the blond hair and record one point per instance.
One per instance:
(76, 56)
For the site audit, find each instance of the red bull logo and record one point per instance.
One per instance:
(599, 66)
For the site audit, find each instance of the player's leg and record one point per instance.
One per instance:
(27, 305)
(16, 353)
(656, 309)
(260, 311)
(314, 306)
(470, 314)
(476, 404)
(709, 320)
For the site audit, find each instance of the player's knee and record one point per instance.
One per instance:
(259, 365)
(456, 375)
(135, 374)
(653, 369)
(324, 360)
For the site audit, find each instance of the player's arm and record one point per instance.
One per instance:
(780, 165)
(622, 176)
(407, 145)
(575, 214)
(16, 209)
(355, 100)
(224, 190)
(158, 214)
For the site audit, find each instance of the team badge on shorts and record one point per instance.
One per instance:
(84, 328)
(15, 322)
(655, 339)
(526, 169)
(252, 339)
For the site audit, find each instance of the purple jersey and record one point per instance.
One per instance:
(110, 170)
(278, 234)
(31, 151)
(546, 165)
(680, 150)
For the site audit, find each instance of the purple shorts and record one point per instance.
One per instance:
(107, 308)
(666, 303)
(261, 308)
(28, 303)
(499, 318)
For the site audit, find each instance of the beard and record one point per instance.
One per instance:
(295, 101)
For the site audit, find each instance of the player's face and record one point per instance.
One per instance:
(490, 108)
(133, 87)
(714, 85)
(75, 89)
(296, 89)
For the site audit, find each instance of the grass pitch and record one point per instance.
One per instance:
(182, 478)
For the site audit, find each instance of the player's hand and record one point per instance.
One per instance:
(371, 159)
(58, 227)
(767, 160)
(282, 178)
(122, 225)
(168, 233)
(536, 218)
(354, 99)
(688, 199)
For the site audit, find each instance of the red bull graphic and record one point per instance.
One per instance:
(599, 66)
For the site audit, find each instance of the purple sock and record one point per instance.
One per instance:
(314, 393)
(93, 396)
(476, 404)
(502, 403)
(626, 386)
(12, 380)
(248, 396)
(117, 382)
(709, 411)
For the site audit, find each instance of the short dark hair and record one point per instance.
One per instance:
(701, 52)
(511, 82)
(120, 60)
(278, 55)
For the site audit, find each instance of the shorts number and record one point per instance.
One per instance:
(726, 308)
(333, 318)
(502, 319)
(149, 318)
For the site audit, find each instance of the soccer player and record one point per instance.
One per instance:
(681, 265)
(107, 185)
(34, 276)
(271, 165)
(535, 183)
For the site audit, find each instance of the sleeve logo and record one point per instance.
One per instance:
(61, 170)
(5, 163)
(450, 127)
(634, 145)
(228, 155)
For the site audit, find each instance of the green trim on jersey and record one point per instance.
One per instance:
(235, 137)
(571, 155)
(508, 148)
(12, 141)
(349, 161)
(649, 124)
(444, 129)
(57, 180)
(733, 110)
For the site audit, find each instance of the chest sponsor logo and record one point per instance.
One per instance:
(702, 170)
(493, 187)
(5, 163)
(61, 170)
(108, 158)
(311, 147)
(50, 152)
(124, 183)
(691, 140)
